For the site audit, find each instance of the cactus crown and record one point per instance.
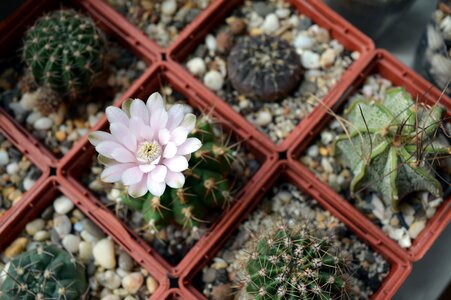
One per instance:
(206, 186)
(264, 67)
(64, 50)
(46, 272)
(390, 144)
(292, 263)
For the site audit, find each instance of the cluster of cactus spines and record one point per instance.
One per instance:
(64, 50)
(391, 146)
(264, 67)
(293, 263)
(206, 185)
(45, 272)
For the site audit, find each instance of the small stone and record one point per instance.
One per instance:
(196, 66)
(151, 284)
(313, 151)
(28, 100)
(214, 80)
(209, 275)
(416, 228)
(104, 254)
(378, 207)
(125, 262)
(4, 157)
(262, 8)
(28, 183)
(283, 13)
(303, 42)
(71, 243)
(41, 236)
(237, 26)
(271, 23)
(210, 41)
(63, 205)
(109, 279)
(168, 7)
(395, 233)
(224, 42)
(34, 226)
(326, 165)
(407, 209)
(16, 247)
(219, 264)
(85, 251)
(133, 282)
(263, 118)
(222, 292)
(92, 228)
(43, 123)
(310, 60)
(60, 136)
(326, 137)
(62, 225)
(111, 297)
(12, 168)
(327, 58)
(405, 242)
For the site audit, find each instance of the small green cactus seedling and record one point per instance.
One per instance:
(264, 67)
(64, 51)
(206, 185)
(292, 263)
(46, 272)
(391, 145)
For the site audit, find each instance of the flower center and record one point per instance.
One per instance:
(148, 151)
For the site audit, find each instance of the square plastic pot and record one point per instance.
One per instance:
(400, 75)
(74, 165)
(15, 26)
(44, 196)
(350, 37)
(28, 150)
(400, 268)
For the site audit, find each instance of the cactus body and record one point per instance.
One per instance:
(46, 272)
(64, 50)
(390, 146)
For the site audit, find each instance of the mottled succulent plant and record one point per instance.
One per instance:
(64, 50)
(264, 67)
(293, 263)
(391, 146)
(45, 272)
(206, 186)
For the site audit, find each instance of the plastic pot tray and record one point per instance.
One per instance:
(73, 166)
(351, 38)
(400, 268)
(400, 75)
(12, 31)
(44, 196)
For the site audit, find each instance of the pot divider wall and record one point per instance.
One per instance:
(44, 196)
(18, 24)
(341, 30)
(400, 268)
(76, 164)
(400, 75)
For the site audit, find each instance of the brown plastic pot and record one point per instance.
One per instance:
(351, 38)
(400, 75)
(15, 26)
(27, 149)
(73, 166)
(283, 172)
(44, 196)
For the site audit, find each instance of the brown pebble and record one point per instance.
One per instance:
(237, 26)
(255, 31)
(224, 42)
(16, 247)
(60, 136)
(222, 292)
(445, 8)
(79, 123)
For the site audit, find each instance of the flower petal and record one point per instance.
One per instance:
(189, 146)
(96, 137)
(154, 103)
(158, 120)
(114, 173)
(132, 176)
(146, 168)
(116, 115)
(106, 148)
(122, 155)
(175, 180)
(170, 150)
(176, 164)
(139, 109)
(155, 188)
(139, 189)
(163, 136)
(175, 116)
(179, 135)
(189, 122)
(124, 135)
(159, 173)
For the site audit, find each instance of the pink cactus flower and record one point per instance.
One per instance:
(148, 147)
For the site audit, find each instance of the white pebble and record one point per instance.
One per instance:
(71, 243)
(151, 284)
(326, 165)
(109, 279)
(34, 226)
(196, 66)
(283, 13)
(313, 151)
(327, 58)
(63, 205)
(41, 236)
(104, 254)
(111, 297)
(28, 183)
(62, 225)
(133, 282)
(263, 118)
(271, 23)
(405, 241)
(303, 42)
(310, 60)
(326, 137)
(12, 168)
(416, 228)
(210, 41)
(33, 117)
(28, 100)
(169, 7)
(43, 123)
(395, 233)
(378, 207)
(85, 251)
(213, 80)
(4, 157)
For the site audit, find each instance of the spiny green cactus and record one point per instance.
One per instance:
(46, 272)
(64, 50)
(206, 184)
(390, 146)
(292, 263)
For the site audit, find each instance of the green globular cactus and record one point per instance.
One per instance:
(64, 50)
(391, 146)
(206, 185)
(46, 272)
(293, 263)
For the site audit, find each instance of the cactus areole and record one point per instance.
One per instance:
(391, 146)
